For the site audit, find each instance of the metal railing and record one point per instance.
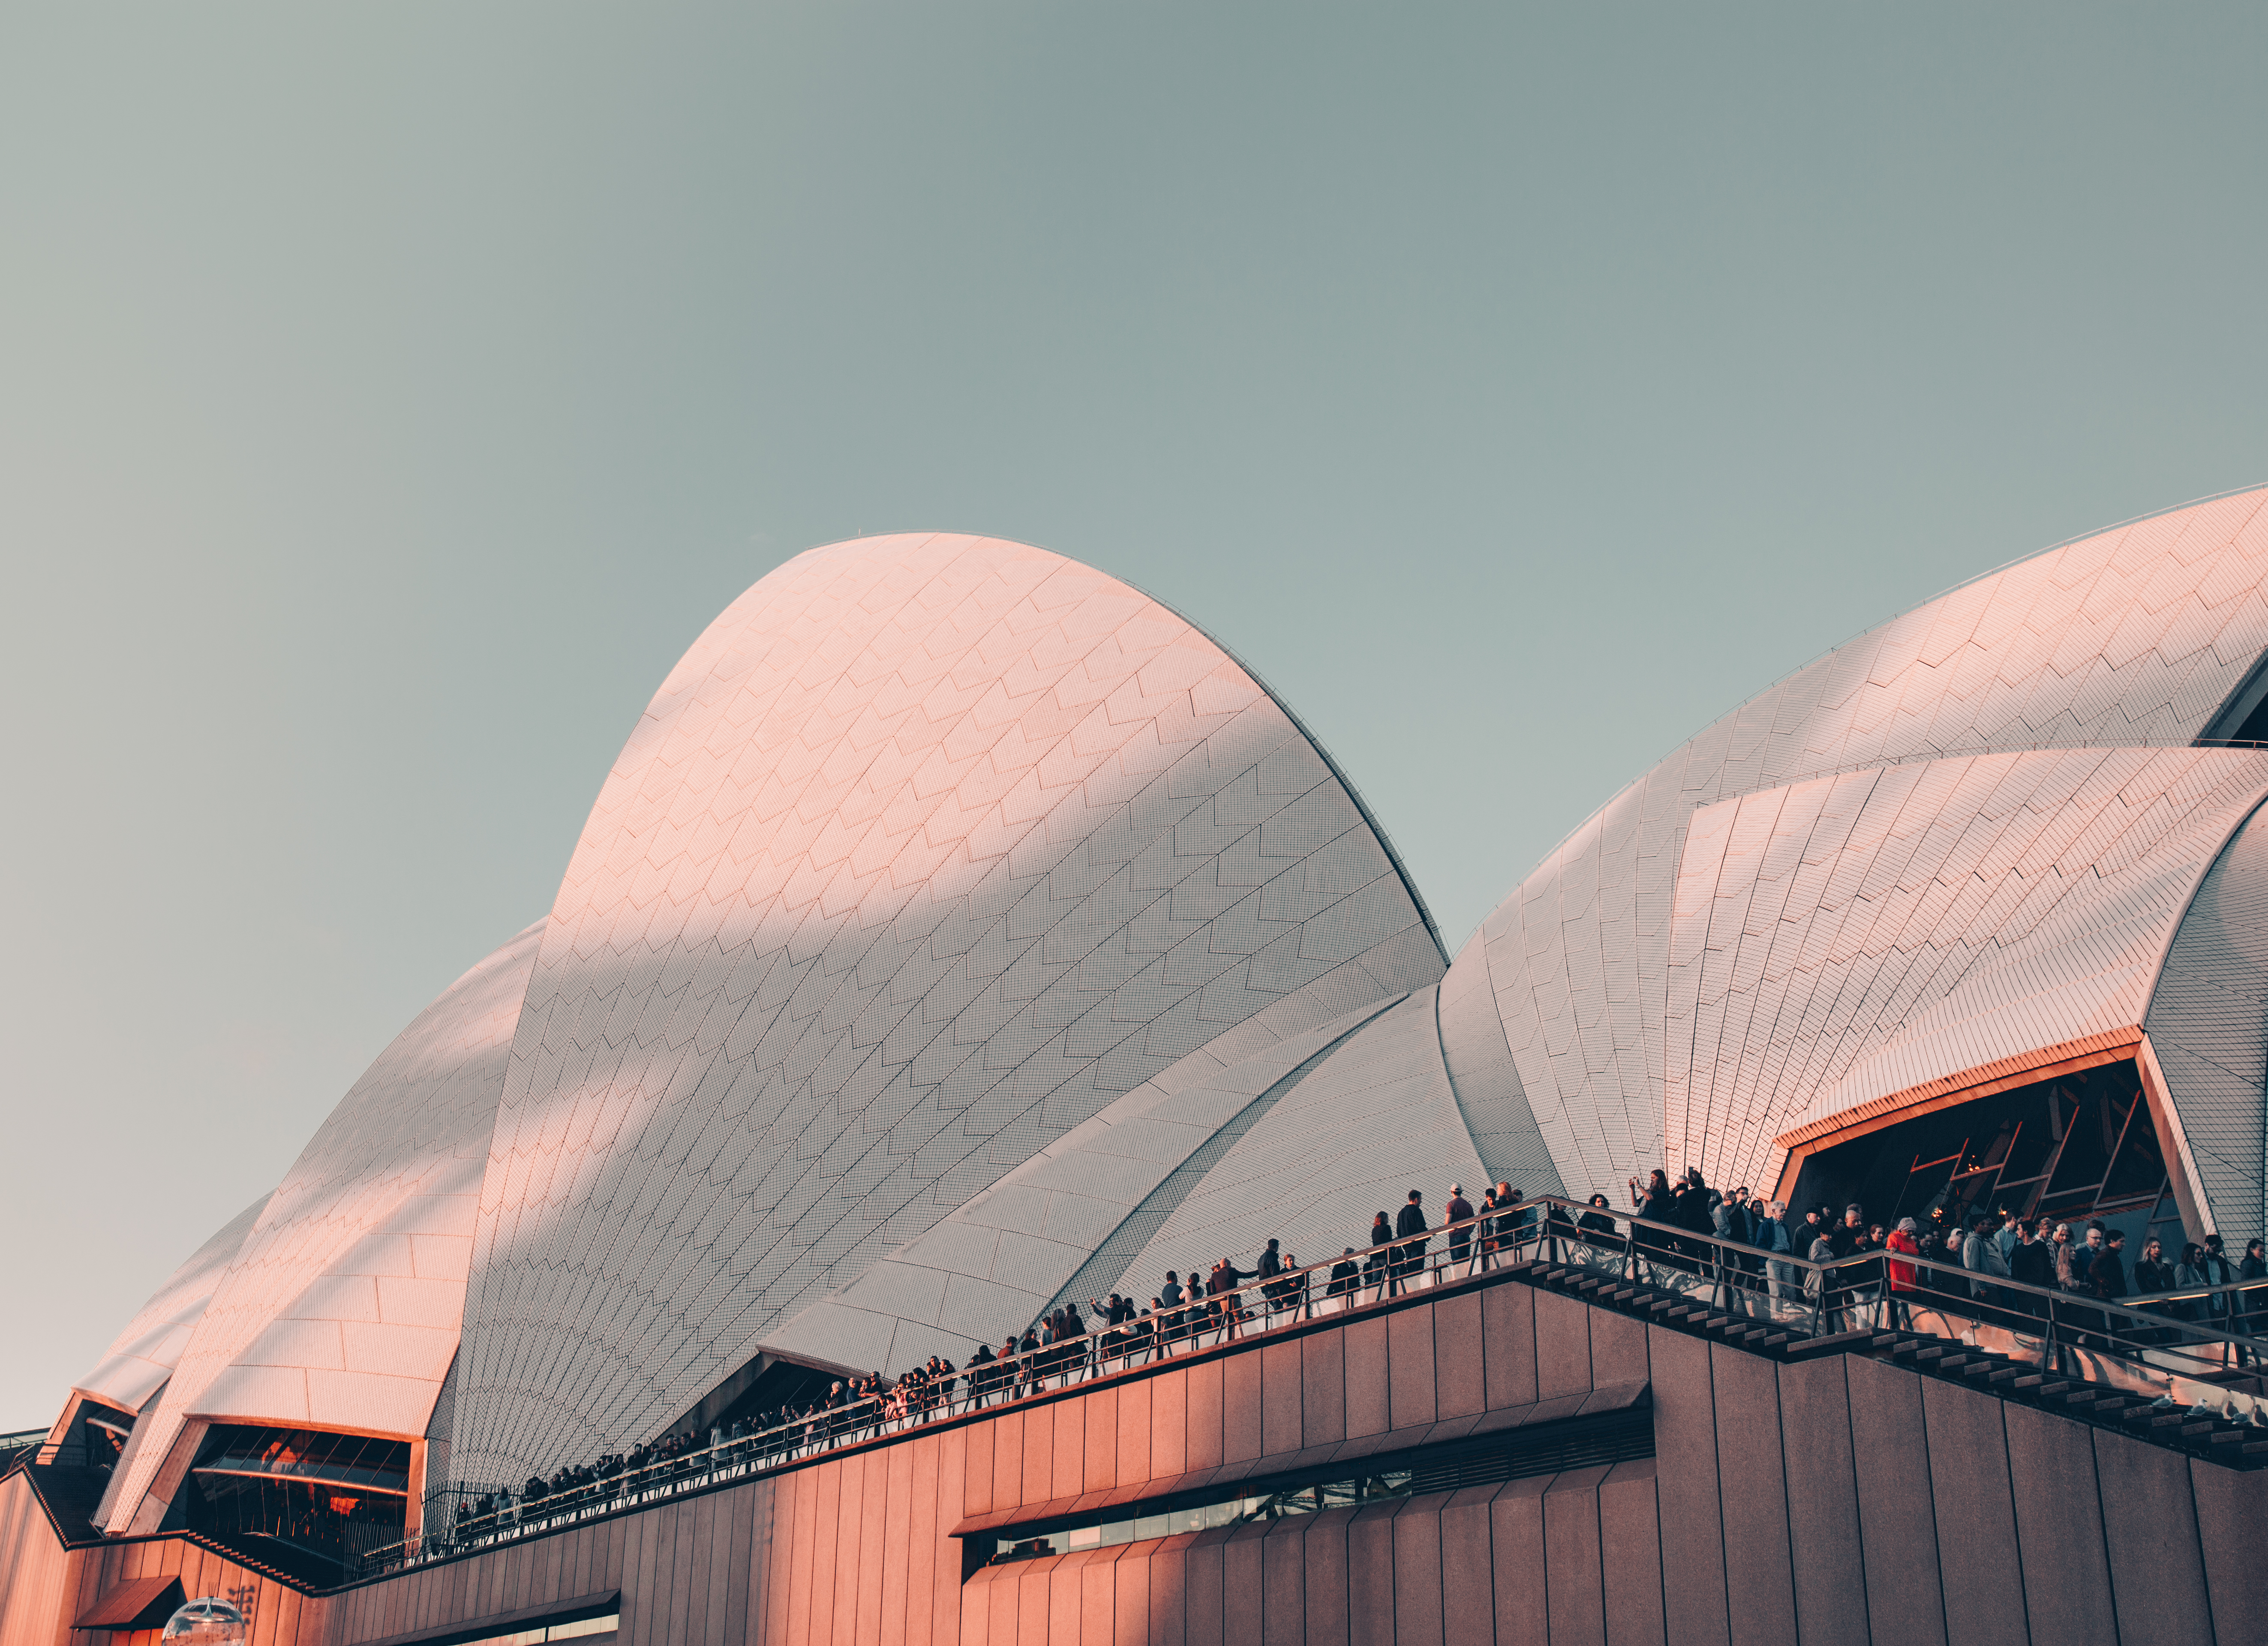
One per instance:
(2069, 1333)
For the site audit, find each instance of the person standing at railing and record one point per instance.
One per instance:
(1346, 1276)
(1515, 1223)
(2033, 1264)
(1409, 1227)
(1818, 1284)
(1689, 1211)
(2220, 1309)
(1904, 1241)
(2187, 1273)
(1268, 1272)
(2251, 1315)
(1378, 1269)
(1980, 1254)
(1652, 1202)
(1456, 1217)
(1169, 1302)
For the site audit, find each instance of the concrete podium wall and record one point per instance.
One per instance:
(1837, 1500)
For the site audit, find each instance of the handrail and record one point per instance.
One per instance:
(1487, 1240)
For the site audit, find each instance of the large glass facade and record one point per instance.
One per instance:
(2075, 1147)
(329, 1495)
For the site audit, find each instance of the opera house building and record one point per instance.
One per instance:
(963, 941)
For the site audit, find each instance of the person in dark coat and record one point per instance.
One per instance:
(1345, 1276)
(1456, 1217)
(1410, 1227)
(1651, 1202)
(1689, 1209)
(1270, 1272)
(980, 1375)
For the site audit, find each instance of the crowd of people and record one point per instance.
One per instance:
(1744, 1244)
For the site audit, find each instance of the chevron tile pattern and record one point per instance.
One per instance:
(2208, 1025)
(2130, 638)
(340, 1307)
(144, 1355)
(928, 850)
(1844, 938)
(960, 932)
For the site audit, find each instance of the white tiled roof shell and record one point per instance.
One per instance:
(2131, 637)
(1375, 1119)
(340, 1307)
(144, 1355)
(1080, 1211)
(2208, 1025)
(929, 848)
(1848, 938)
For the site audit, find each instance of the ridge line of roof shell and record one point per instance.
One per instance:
(926, 850)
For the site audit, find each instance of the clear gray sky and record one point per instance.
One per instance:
(388, 394)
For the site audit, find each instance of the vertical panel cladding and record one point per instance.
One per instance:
(1001, 1596)
(772, 1628)
(1467, 1585)
(1692, 1516)
(1240, 1420)
(874, 1541)
(1460, 1382)
(1169, 1599)
(977, 1483)
(1068, 1477)
(1096, 1596)
(1366, 1410)
(1035, 1588)
(1508, 1345)
(1977, 1544)
(1822, 1502)
(1574, 1592)
(1370, 1576)
(1410, 1367)
(1563, 1345)
(1758, 1568)
(901, 1528)
(2157, 1564)
(1243, 1580)
(975, 1607)
(1889, 1450)
(1283, 1582)
(1618, 1346)
(1629, 1540)
(1201, 1589)
(1066, 1595)
(1417, 1608)
(1169, 1424)
(1038, 1484)
(689, 1571)
(1280, 1421)
(1516, 1546)
(1322, 1389)
(2232, 1512)
(1203, 1420)
(1131, 1599)
(939, 1552)
(1323, 1558)
(1008, 1461)
(1102, 1431)
(1132, 1465)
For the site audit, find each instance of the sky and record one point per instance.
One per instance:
(390, 395)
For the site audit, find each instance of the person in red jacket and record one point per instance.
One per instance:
(1902, 1282)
